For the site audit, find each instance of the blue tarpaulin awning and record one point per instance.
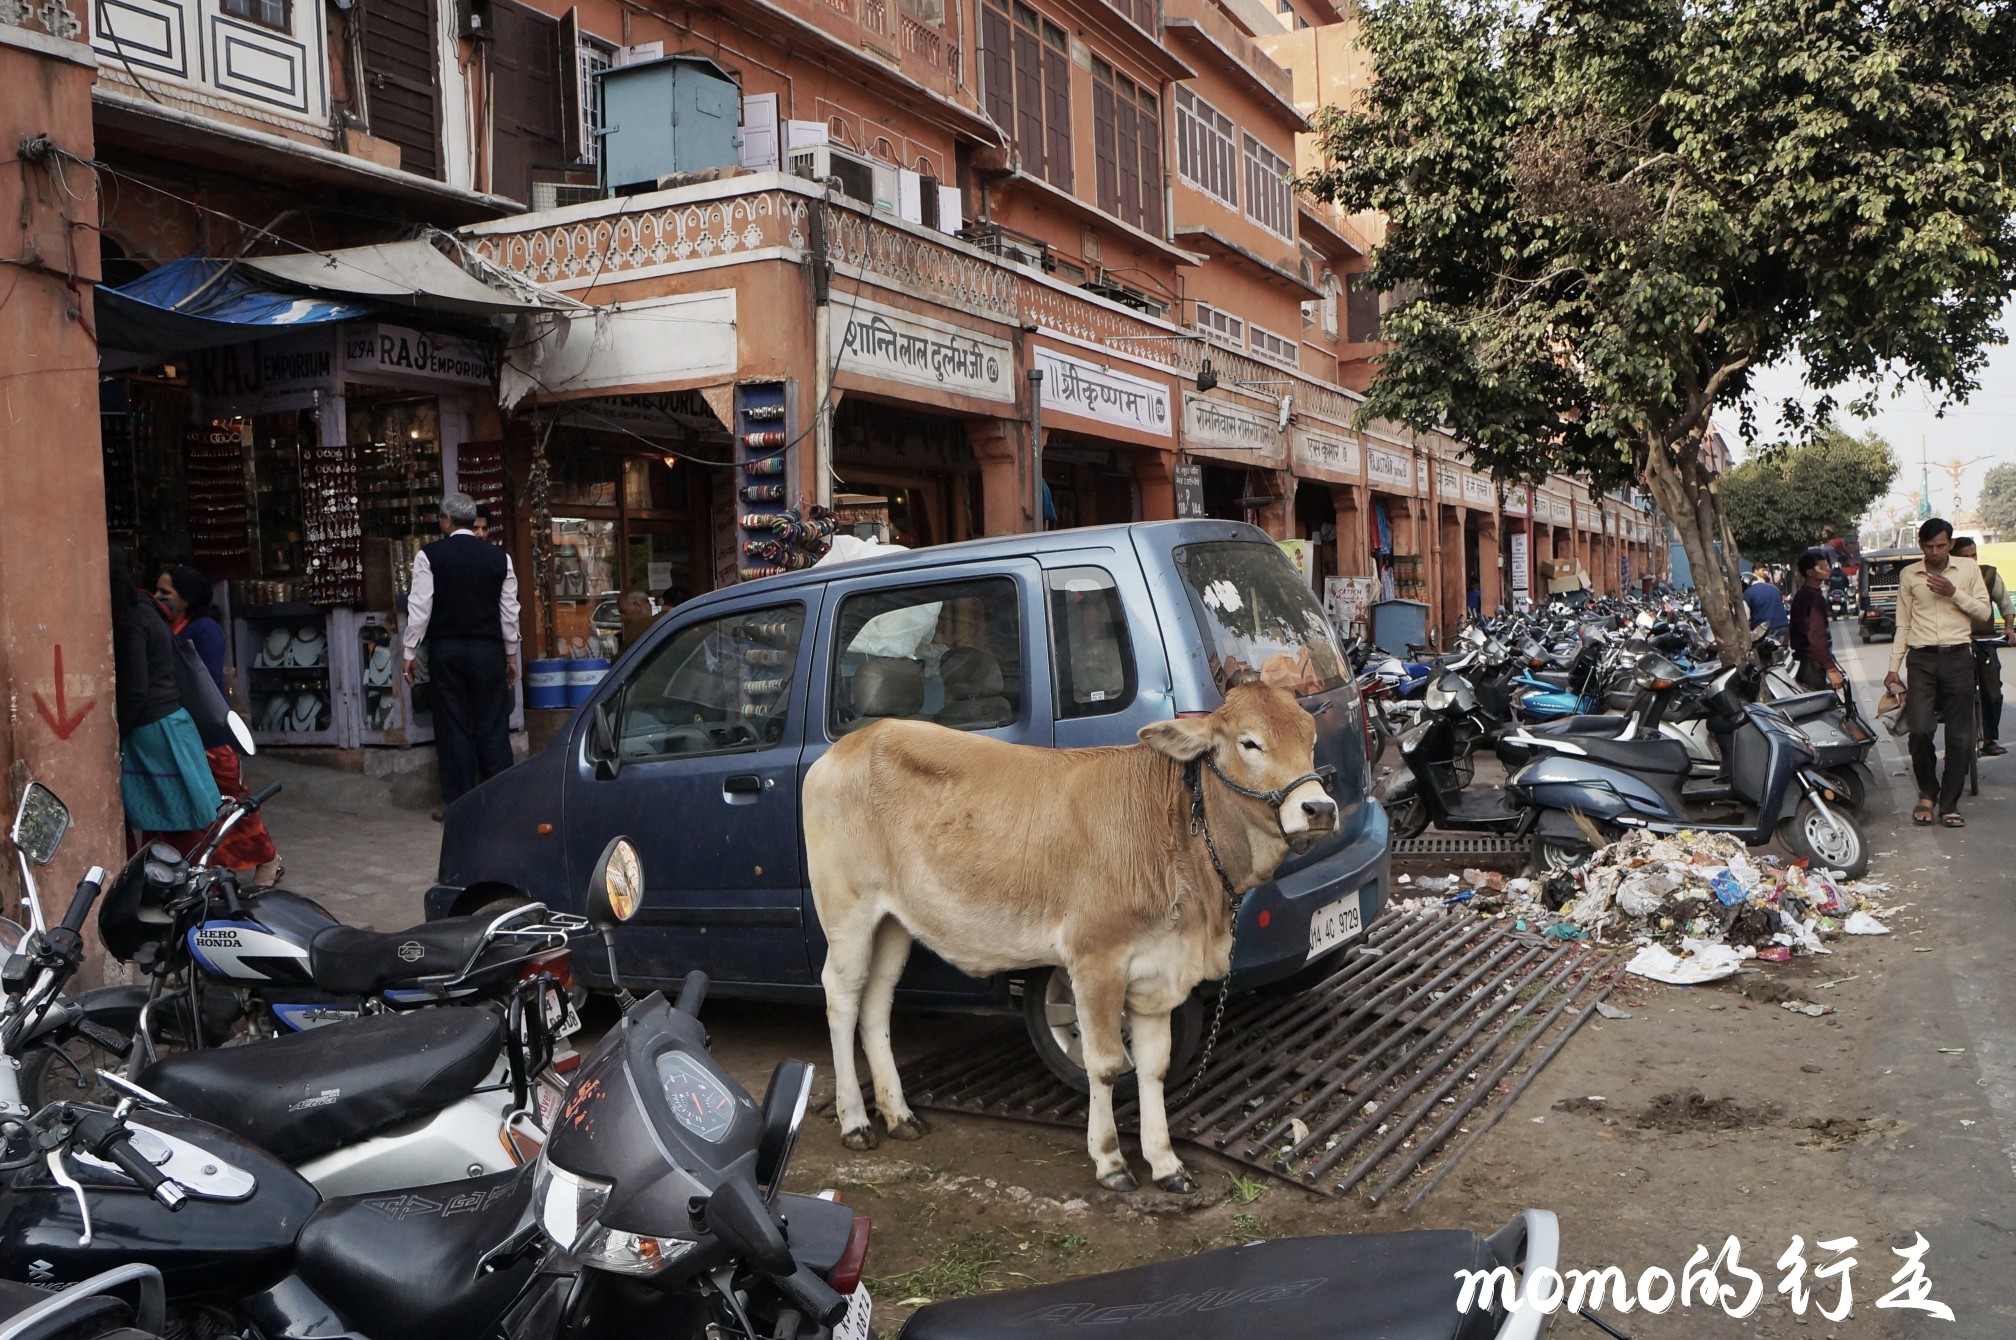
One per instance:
(202, 302)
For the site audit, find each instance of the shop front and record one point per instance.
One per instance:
(1109, 444)
(312, 467)
(1240, 450)
(1396, 534)
(1325, 461)
(916, 392)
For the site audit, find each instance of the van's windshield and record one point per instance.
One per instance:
(1261, 620)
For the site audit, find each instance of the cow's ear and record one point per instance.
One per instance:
(1181, 740)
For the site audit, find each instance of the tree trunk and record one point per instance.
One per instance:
(1686, 493)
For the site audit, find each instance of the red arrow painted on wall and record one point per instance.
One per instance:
(61, 721)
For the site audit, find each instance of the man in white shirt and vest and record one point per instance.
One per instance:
(1938, 602)
(463, 605)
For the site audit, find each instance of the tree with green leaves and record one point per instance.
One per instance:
(1998, 500)
(1786, 499)
(1608, 214)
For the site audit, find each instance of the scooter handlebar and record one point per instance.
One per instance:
(261, 796)
(108, 1137)
(692, 993)
(813, 1296)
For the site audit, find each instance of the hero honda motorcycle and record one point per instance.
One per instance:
(388, 1100)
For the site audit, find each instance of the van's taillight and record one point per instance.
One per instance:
(560, 963)
(846, 1275)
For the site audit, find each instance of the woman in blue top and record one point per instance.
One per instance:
(163, 781)
(186, 594)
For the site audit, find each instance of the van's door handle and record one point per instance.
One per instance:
(743, 784)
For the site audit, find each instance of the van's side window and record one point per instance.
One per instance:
(717, 687)
(1088, 627)
(949, 653)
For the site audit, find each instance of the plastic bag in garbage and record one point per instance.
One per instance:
(1861, 923)
(1644, 891)
(1699, 961)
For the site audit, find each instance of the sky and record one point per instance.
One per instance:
(1981, 431)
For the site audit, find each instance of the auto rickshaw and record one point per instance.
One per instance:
(1877, 588)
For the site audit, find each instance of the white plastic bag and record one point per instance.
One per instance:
(1699, 961)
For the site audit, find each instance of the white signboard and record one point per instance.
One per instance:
(305, 361)
(1347, 598)
(1389, 469)
(878, 341)
(403, 351)
(1448, 481)
(1324, 453)
(1477, 490)
(1092, 391)
(1521, 584)
(1224, 425)
(1515, 501)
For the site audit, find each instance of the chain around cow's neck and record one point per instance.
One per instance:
(1201, 827)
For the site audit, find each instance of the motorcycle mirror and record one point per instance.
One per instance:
(784, 1106)
(736, 1214)
(40, 823)
(615, 893)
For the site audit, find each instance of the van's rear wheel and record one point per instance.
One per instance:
(1050, 1012)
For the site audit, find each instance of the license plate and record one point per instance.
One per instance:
(561, 1019)
(1333, 925)
(854, 1326)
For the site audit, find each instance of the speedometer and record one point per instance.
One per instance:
(699, 1101)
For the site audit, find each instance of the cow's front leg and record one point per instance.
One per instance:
(1151, 1067)
(1102, 1002)
(845, 974)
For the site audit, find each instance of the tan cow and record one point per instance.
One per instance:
(1002, 858)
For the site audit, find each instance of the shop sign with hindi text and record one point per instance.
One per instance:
(1223, 425)
(898, 346)
(1094, 391)
(1389, 469)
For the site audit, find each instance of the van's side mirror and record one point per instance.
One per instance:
(40, 823)
(603, 724)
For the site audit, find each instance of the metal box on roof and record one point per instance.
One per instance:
(677, 114)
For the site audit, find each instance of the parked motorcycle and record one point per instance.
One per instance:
(383, 1101)
(124, 1303)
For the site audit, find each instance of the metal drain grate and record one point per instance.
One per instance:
(1481, 845)
(1357, 1082)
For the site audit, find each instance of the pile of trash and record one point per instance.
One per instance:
(1698, 903)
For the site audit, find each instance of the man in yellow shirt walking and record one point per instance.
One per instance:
(1938, 601)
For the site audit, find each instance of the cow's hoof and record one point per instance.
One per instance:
(861, 1138)
(1177, 1183)
(912, 1128)
(1121, 1181)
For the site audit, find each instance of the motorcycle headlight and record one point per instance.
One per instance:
(569, 1210)
(1436, 697)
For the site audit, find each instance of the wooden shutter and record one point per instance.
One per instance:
(1106, 166)
(997, 67)
(1127, 149)
(569, 75)
(1152, 194)
(403, 88)
(1029, 99)
(1057, 117)
(525, 113)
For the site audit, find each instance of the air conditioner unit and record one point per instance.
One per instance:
(554, 195)
(864, 179)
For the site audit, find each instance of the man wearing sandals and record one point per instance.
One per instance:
(1938, 602)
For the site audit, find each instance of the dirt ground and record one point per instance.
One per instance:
(1710, 1111)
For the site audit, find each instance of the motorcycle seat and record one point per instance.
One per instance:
(304, 1094)
(1393, 1286)
(350, 959)
(408, 1265)
(1654, 755)
(1558, 678)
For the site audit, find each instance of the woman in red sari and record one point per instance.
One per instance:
(185, 594)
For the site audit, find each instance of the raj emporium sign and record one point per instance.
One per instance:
(1094, 391)
(878, 341)
(417, 353)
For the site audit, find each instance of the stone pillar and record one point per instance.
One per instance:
(1455, 585)
(1155, 478)
(1490, 577)
(1004, 479)
(55, 621)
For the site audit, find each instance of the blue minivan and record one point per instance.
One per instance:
(696, 741)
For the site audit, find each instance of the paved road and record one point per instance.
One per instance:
(1958, 1186)
(348, 844)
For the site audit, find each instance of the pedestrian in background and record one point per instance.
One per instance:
(634, 607)
(463, 606)
(1938, 601)
(1812, 639)
(1766, 603)
(1988, 642)
(164, 780)
(188, 596)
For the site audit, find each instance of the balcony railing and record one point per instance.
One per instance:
(629, 240)
(923, 41)
(875, 16)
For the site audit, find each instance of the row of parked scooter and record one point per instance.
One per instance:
(1616, 716)
(295, 1129)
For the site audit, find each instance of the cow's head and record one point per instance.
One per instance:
(1263, 744)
